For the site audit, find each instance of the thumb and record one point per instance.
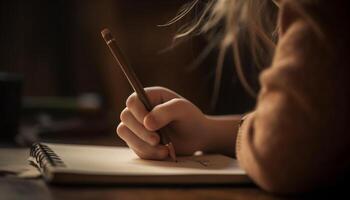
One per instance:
(163, 114)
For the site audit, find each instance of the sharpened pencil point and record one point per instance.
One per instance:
(172, 152)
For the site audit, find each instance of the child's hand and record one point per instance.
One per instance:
(186, 123)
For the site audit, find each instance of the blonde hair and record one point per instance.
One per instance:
(254, 19)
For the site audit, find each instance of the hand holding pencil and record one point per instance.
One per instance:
(154, 115)
(185, 123)
(136, 84)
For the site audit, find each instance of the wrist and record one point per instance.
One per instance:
(221, 133)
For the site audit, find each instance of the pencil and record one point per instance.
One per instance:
(136, 85)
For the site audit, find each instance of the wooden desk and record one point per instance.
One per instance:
(13, 188)
(16, 188)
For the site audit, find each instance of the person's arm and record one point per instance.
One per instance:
(291, 143)
(223, 132)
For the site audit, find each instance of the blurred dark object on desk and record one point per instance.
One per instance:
(10, 105)
(89, 103)
(52, 118)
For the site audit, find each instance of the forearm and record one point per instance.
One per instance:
(221, 134)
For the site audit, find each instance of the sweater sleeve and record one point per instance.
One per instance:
(294, 140)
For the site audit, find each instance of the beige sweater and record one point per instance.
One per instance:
(298, 138)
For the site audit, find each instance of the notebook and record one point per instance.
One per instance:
(64, 163)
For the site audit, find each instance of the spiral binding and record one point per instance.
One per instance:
(44, 156)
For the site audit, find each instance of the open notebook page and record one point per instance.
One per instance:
(121, 160)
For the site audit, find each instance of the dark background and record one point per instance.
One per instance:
(57, 48)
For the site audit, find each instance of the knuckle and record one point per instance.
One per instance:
(131, 100)
(124, 114)
(121, 129)
(165, 91)
(158, 88)
(177, 103)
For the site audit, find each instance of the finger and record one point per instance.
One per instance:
(151, 157)
(136, 107)
(163, 114)
(138, 129)
(140, 147)
(156, 95)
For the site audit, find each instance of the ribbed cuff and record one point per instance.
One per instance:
(240, 132)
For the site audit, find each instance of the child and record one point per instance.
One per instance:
(297, 137)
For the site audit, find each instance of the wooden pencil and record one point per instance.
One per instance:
(136, 85)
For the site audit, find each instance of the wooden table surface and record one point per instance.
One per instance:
(17, 188)
(14, 188)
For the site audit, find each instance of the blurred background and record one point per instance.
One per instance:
(71, 87)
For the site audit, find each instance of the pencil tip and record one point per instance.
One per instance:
(172, 152)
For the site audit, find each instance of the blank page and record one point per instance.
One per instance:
(122, 161)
